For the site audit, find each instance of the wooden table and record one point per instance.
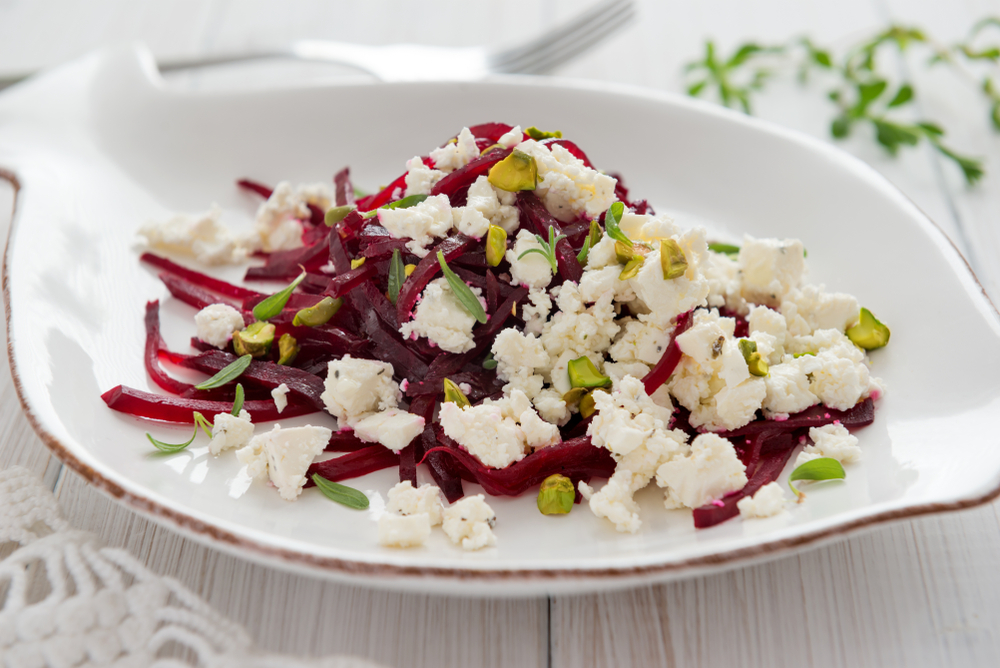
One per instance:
(916, 593)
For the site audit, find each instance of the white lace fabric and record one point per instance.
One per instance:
(68, 601)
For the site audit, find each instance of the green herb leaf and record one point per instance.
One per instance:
(489, 362)
(406, 202)
(227, 374)
(238, 401)
(823, 468)
(466, 297)
(342, 494)
(903, 95)
(726, 249)
(548, 248)
(171, 448)
(581, 257)
(611, 220)
(397, 275)
(272, 306)
(337, 214)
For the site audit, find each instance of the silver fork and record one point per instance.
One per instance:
(415, 62)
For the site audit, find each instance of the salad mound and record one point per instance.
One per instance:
(504, 314)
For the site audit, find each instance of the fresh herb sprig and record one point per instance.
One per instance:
(342, 494)
(228, 373)
(200, 422)
(862, 93)
(548, 248)
(821, 468)
(270, 307)
(397, 275)
(466, 297)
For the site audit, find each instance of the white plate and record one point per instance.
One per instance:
(101, 146)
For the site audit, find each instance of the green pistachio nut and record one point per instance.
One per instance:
(539, 135)
(489, 148)
(596, 234)
(574, 396)
(755, 363)
(496, 245)
(454, 394)
(337, 214)
(624, 253)
(514, 173)
(255, 340)
(587, 405)
(319, 313)
(672, 259)
(869, 333)
(724, 249)
(556, 495)
(631, 269)
(288, 348)
(583, 373)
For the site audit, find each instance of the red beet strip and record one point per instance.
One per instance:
(540, 219)
(859, 415)
(427, 269)
(255, 187)
(189, 293)
(345, 190)
(304, 386)
(341, 284)
(179, 410)
(286, 264)
(154, 342)
(354, 464)
(443, 468)
(659, 374)
(460, 179)
(382, 197)
(197, 278)
(345, 441)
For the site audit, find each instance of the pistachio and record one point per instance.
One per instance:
(624, 253)
(672, 259)
(869, 333)
(255, 340)
(337, 214)
(454, 394)
(583, 373)
(631, 269)
(755, 363)
(556, 495)
(496, 245)
(574, 396)
(288, 348)
(539, 135)
(595, 233)
(319, 313)
(587, 404)
(489, 148)
(357, 262)
(517, 171)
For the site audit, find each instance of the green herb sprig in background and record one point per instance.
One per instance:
(863, 93)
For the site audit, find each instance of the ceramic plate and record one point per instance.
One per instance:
(101, 146)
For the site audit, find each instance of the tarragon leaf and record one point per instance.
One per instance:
(823, 468)
(272, 306)
(342, 494)
(238, 401)
(611, 220)
(397, 275)
(466, 297)
(170, 448)
(227, 374)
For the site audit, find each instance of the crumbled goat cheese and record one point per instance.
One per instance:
(832, 440)
(284, 456)
(420, 179)
(603, 255)
(596, 282)
(405, 499)
(394, 428)
(469, 523)
(488, 436)
(770, 268)
(767, 502)
(441, 318)
(519, 357)
(640, 341)
(644, 227)
(811, 308)
(216, 323)
(566, 185)
(577, 329)
(422, 224)
(199, 236)
(537, 432)
(457, 153)
(666, 299)
(532, 270)
(355, 387)
(788, 387)
(278, 225)
(512, 138)
(586, 491)
(536, 311)
(722, 274)
(403, 530)
(280, 396)
(230, 432)
(709, 472)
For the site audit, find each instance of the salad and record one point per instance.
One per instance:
(504, 313)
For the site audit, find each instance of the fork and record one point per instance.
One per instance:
(416, 62)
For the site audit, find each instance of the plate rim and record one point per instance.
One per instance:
(605, 576)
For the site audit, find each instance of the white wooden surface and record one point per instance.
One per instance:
(917, 593)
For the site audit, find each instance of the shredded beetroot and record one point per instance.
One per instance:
(255, 187)
(573, 459)
(361, 462)
(444, 469)
(289, 263)
(189, 293)
(427, 269)
(490, 132)
(341, 284)
(540, 219)
(154, 342)
(197, 278)
(345, 191)
(659, 374)
(384, 196)
(860, 415)
(456, 184)
(179, 410)
(303, 386)
(345, 441)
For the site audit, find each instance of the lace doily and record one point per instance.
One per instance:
(66, 600)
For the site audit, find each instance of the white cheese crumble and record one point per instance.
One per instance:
(280, 396)
(403, 530)
(519, 357)
(767, 502)
(420, 179)
(532, 270)
(457, 153)
(709, 472)
(230, 432)
(770, 268)
(278, 225)
(566, 185)
(284, 456)
(512, 137)
(405, 499)
(442, 319)
(394, 428)
(356, 387)
(422, 224)
(199, 236)
(493, 439)
(666, 299)
(486, 206)
(832, 440)
(469, 522)
(216, 323)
